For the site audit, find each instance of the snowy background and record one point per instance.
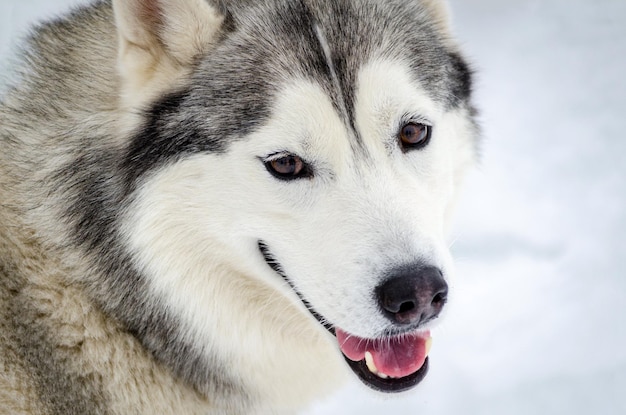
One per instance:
(538, 325)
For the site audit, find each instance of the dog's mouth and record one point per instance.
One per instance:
(387, 364)
(390, 364)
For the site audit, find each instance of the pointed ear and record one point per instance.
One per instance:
(182, 29)
(160, 39)
(440, 12)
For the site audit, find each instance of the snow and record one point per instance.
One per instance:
(538, 320)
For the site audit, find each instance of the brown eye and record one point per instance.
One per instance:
(414, 136)
(288, 167)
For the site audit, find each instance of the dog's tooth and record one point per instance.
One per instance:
(369, 361)
(429, 344)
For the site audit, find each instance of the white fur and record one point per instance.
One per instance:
(195, 226)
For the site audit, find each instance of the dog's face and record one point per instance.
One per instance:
(312, 194)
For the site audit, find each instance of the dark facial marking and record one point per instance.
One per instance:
(460, 78)
(163, 137)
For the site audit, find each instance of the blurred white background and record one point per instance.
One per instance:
(538, 322)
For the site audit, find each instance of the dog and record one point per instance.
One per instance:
(229, 206)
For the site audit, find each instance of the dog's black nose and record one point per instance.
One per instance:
(413, 294)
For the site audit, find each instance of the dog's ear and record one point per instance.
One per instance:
(440, 13)
(160, 39)
(180, 29)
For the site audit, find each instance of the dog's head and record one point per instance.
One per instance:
(293, 176)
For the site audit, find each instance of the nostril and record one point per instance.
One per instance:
(406, 307)
(439, 299)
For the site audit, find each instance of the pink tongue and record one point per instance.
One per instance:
(396, 356)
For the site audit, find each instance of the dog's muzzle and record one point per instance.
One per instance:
(410, 297)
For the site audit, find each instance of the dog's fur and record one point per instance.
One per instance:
(134, 197)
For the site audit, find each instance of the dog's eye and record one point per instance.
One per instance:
(414, 136)
(288, 167)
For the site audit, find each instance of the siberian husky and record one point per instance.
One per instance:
(227, 206)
